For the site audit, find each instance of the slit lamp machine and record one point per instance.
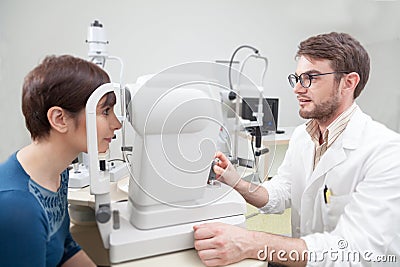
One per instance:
(176, 120)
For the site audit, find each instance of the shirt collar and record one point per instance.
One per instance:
(334, 129)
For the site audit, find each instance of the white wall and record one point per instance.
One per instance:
(151, 35)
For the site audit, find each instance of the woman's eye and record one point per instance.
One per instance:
(106, 111)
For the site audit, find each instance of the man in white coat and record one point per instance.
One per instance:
(340, 175)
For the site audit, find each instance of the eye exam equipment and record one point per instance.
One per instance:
(258, 112)
(175, 122)
(166, 197)
(98, 54)
(256, 125)
(175, 117)
(212, 177)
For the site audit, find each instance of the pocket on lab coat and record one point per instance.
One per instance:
(332, 211)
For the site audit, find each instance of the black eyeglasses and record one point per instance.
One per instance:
(306, 78)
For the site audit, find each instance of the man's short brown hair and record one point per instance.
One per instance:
(344, 52)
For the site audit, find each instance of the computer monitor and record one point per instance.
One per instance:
(270, 121)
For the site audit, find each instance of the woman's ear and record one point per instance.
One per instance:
(58, 119)
(351, 81)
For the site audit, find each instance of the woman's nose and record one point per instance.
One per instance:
(116, 123)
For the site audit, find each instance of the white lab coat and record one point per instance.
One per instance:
(362, 170)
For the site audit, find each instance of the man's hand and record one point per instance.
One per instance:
(225, 171)
(221, 244)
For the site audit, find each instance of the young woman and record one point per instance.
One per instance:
(34, 219)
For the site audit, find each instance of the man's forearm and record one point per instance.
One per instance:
(255, 195)
(270, 247)
(280, 249)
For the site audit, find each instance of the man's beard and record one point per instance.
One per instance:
(323, 111)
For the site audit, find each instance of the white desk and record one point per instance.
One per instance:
(89, 238)
(279, 139)
(277, 145)
(187, 258)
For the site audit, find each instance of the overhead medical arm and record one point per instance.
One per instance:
(259, 114)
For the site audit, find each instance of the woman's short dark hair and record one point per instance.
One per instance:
(344, 52)
(64, 81)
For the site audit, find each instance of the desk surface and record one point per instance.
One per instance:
(274, 138)
(89, 239)
(280, 139)
(187, 258)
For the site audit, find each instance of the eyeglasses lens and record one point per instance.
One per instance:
(305, 80)
(293, 79)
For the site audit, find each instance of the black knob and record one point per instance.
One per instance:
(96, 23)
(232, 95)
(102, 164)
